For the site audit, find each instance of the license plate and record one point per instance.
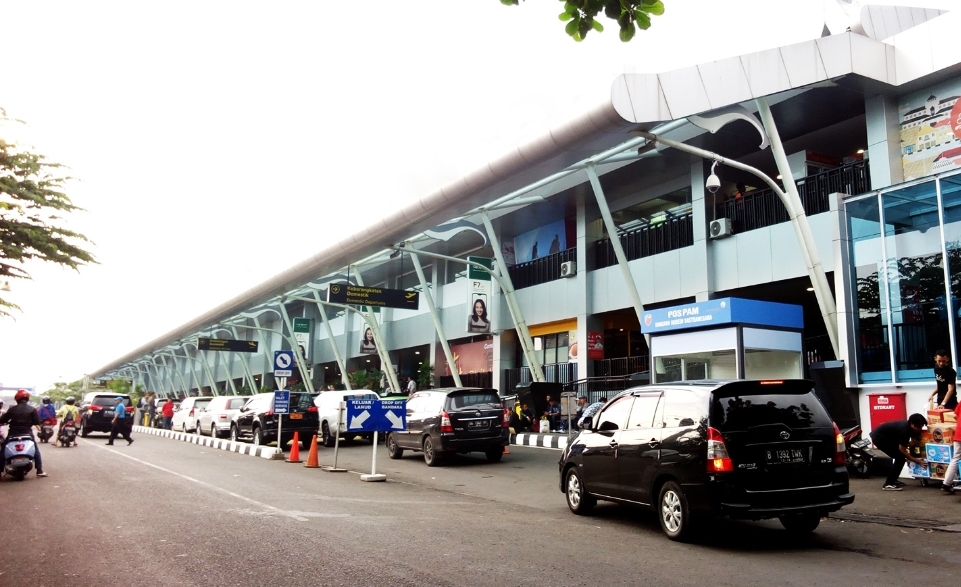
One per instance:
(785, 455)
(296, 416)
(477, 424)
(17, 461)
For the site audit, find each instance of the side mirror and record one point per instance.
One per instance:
(607, 426)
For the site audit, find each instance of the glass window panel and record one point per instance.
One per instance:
(642, 414)
(870, 316)
(951, 200)
(912, 239)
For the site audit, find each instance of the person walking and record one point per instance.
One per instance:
(151, 409)
(893, 438)
(411, 385)
(120, 423)
(168, 414)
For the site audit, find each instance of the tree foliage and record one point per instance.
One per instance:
(32, 208)
(581, 16)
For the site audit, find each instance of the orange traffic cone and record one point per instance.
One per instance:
(312, 455)
(295, 450)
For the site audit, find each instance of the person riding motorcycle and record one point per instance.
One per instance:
(68, 412)
(47, 413)
(22, 418)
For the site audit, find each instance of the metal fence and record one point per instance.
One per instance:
(541, 270)
(485, 379)
(671, 234)
(554, 372)
(762, 208)
(621, 366)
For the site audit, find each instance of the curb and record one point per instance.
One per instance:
(555, 441)
(265, 452)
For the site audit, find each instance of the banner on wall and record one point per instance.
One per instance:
(930, 122)
(479, 296)
(302, 335)
(540, 242)
(471, 357)
(595, 345)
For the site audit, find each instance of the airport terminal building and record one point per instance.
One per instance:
(774, 214)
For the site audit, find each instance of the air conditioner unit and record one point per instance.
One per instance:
(721, 228)
(568, 269)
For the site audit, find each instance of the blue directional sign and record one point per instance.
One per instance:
(281, 402)
(283, 363)
(374, 415)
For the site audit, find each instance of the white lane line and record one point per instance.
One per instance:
(212, 486)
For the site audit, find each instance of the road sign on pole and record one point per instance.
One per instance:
(283, 363)
(282, 402)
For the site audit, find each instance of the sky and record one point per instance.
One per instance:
(215, 144)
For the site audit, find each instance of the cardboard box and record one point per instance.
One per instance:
(936, 416)
(939, 453)
(926, 437)
(919, 471)
(950, 417)
(942, 433)
(937, 470)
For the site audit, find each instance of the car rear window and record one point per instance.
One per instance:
(201, 403)
(302, 401)
(742, 412)
(478, 398)
(109, 400)
(236, 404)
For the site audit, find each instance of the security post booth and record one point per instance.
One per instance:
(728, 338)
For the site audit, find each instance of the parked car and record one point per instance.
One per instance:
(257, 421)
(216, 416)
(186, 415)
(158, 417)
(97, 410)
(328, 403)
(441, 422)
(744, 449)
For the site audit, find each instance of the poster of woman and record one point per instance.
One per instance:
(478, 321)
(367, 345)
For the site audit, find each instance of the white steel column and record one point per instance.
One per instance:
(304, 373)
(375, 329)
(333, 342)
(433, 314)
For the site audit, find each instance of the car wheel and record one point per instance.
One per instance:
(431, 457)
(234, 434)
(860, 468)
(672, 511)
(258, 438)
(578, 499)
(393, 451)
(495, 454)
(326, 436)
(800, 523)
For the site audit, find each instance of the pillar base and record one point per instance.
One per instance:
(377, 477)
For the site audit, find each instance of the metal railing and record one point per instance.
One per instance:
(595, 388)
(554, 373)
(673, 233)
(762, 208)
(621, 366)
(484, 379)
(541, 270)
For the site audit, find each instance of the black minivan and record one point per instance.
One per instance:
(456, 420)
(744, 449)
(257, 421)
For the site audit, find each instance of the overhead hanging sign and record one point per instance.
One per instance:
(344, 293)
(227, 344)
(478, 296)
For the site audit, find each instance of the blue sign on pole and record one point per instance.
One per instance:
(374, 415)
(283, 363)
(281, 402)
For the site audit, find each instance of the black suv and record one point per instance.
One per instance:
(744, 449)
(447, 421)
(97, 409)
(257, 421)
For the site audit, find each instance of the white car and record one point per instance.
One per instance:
(215, 417)
(328, 407)
(185, 418)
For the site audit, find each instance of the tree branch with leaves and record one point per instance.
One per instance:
(33, 203)
(630, 15)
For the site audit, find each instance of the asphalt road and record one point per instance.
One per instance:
(164, 512)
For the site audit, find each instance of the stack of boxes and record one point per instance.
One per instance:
(938, 442)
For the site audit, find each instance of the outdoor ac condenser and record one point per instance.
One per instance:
(568, 269)
(720, 228)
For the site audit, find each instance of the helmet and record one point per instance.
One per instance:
(70, 400)
(46, 399)
(22, 394)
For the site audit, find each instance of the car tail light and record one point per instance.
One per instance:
(95, 408)
(191, 414)
(269, 412)
(129, 409)
(718, 459)
(445, 425)
(223, 416)
(312, 409)
(840, 451)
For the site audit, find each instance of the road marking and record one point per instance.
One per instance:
(294, 515)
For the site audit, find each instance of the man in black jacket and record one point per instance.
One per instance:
(22, 418)
(893, 438)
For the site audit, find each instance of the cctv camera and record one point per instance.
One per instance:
(713, 184)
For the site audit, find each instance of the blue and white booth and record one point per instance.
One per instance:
(728, 338)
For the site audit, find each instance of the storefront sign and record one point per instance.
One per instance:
(472, 357)
(722, 311)
(595, 345)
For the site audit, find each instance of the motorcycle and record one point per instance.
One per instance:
(46, 431)
(68, 434)
(18, 456)
(858, 451)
